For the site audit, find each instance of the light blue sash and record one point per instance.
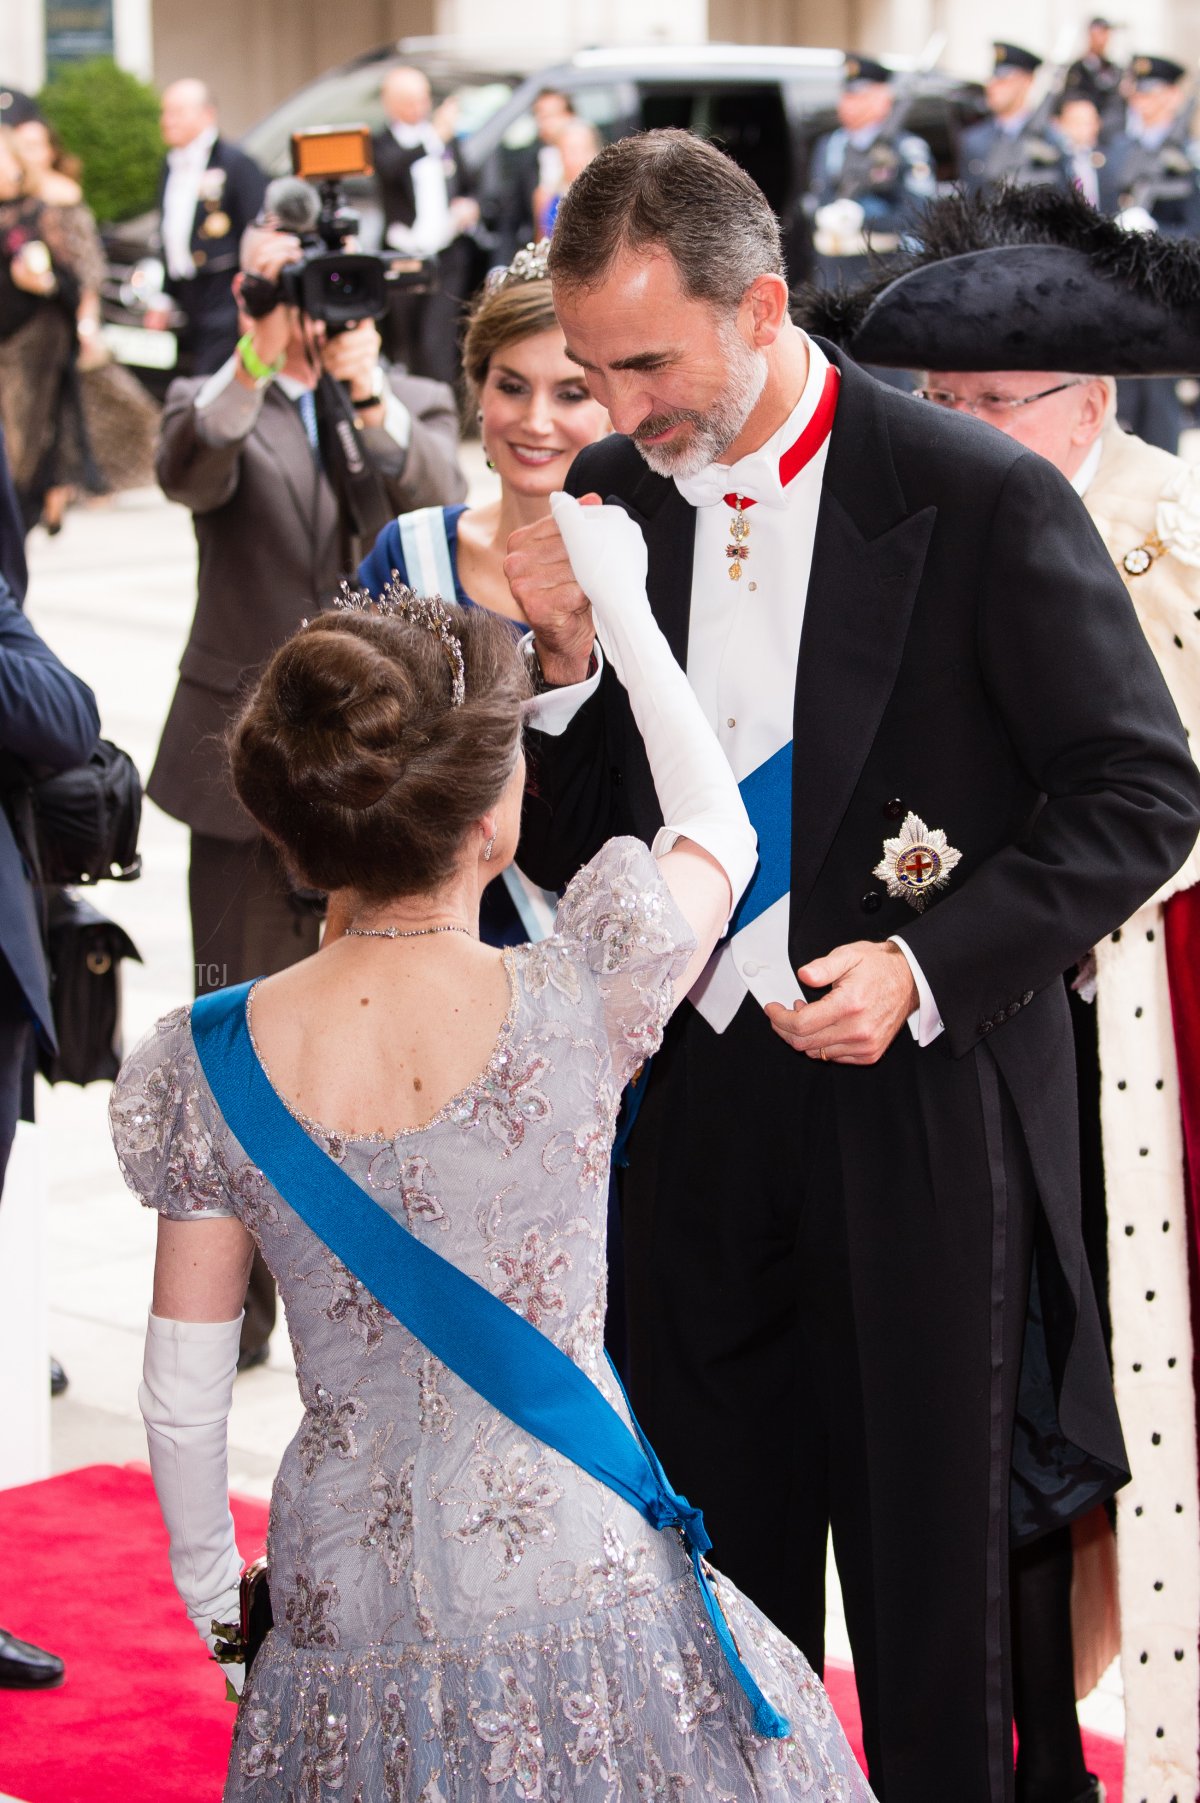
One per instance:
(496, 1351)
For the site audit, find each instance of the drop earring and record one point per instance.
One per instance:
(483, 440)
(488, 849)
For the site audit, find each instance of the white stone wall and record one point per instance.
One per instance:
(553, 28)
(904, 27)
(22, 45)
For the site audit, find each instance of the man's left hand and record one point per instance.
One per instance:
(352, 357)
(872, 995)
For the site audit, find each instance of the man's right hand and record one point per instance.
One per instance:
(267, 254)
(539, 574)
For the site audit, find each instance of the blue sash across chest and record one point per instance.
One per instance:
(497, 1352)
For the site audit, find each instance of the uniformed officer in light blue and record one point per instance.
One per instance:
(1013, 144)
(868, 178)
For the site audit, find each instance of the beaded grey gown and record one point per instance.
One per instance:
(461, 1613)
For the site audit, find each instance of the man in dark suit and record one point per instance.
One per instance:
(241, 449)
(209, 191)
(428, 211)
(48, 719)
(858, 1296)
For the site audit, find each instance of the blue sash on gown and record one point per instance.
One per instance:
(497, 1352)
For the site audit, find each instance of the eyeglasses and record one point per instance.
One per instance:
(1000, 405)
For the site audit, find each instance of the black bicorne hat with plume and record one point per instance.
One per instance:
(1023, 278)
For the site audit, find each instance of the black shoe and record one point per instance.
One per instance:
(26, 1667)
(1093, 1794)
(58, 1378)
(252, 1356)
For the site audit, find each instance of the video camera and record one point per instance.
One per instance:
(328, 282)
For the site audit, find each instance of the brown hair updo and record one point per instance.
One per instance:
(351, 758)
(512, 310)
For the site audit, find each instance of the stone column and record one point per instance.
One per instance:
(23, 44)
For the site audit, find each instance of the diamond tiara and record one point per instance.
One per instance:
(532, 264)
(396, 601)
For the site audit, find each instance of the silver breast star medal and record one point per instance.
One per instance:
(916, 863)
(737, 551)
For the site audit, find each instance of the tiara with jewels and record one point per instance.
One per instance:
(532, 264)
(397, 602)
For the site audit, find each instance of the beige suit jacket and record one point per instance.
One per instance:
(266, 532)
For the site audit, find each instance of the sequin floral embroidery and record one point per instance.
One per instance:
(525, 1277)
(515, 1733)
(514, 1496)
(507, 1099)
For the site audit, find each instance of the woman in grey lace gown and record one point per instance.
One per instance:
(460, 1612)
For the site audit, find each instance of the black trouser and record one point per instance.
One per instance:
(245, 924)
(827, 1298)
(1050, 1766)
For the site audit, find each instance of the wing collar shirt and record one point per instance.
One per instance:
(743, 650)
(432, 228)
(181, 197)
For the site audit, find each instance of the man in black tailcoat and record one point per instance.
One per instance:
(852, 1196)
(209, 191)
(428, 211)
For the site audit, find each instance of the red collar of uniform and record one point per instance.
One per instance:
(793, 460)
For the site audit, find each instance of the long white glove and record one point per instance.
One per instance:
(696, 788)
(185, 1397)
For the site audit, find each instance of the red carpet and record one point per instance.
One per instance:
(141, 1713)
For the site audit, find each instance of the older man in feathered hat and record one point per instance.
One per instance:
(1021, 310)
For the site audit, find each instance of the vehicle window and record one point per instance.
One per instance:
(351, 97)
(601, 106)
(746, 118)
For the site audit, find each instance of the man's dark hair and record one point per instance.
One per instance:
(675, 191)
(555, 94)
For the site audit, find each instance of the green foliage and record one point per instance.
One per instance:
(109, 119)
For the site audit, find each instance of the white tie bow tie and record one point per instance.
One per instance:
(756, 478)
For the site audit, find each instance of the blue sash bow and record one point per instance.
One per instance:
(497, 1352)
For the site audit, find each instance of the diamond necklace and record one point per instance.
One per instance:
(400, 932)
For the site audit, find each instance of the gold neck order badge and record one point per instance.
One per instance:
(737, 550)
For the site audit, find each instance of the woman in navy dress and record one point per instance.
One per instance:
(534, 413)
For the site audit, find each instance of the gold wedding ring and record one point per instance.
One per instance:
(824, 1056)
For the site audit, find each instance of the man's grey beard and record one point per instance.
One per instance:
(713, 432)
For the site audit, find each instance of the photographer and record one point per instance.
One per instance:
(240, 449)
